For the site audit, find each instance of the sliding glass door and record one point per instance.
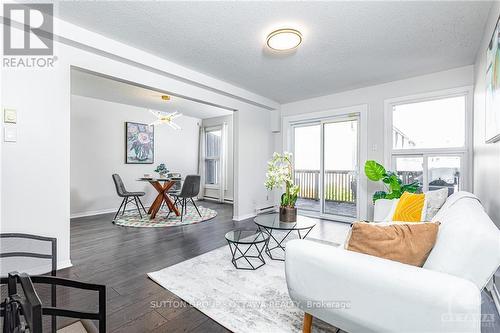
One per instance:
(340, 174)
(307, 158)
(326, 157)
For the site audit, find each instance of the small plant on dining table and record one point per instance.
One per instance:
(162, 170)
(280, 174)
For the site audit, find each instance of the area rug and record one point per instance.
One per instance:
(132, 219)
(241, 301)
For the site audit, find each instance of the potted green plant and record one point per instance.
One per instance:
(162, 170)
(394, 185)
(280, 175)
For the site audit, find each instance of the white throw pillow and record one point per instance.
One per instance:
(434, 200)
(392, 211)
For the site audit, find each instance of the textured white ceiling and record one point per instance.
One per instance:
(90, 85)
(346, 44)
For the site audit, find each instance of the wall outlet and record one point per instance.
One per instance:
(10, 133)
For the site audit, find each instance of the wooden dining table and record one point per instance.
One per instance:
(162, 185)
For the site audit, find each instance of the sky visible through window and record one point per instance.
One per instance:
(340, 146)
(432, 124)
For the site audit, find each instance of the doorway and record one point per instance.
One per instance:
(328, 150)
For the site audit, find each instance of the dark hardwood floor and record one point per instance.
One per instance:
(120, 257)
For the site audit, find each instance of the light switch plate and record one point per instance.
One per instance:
(10, 116)
(10, 133)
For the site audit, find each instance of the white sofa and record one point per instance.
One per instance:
(362, 293)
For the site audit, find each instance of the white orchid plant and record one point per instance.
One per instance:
(280, 175)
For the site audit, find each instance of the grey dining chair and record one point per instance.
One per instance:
(127, 196)
(190, 189)
(177, 177)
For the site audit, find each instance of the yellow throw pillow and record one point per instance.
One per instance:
(410, 207)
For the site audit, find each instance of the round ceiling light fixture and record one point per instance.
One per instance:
(284, 39)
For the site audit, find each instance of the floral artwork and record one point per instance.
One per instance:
(139, 143)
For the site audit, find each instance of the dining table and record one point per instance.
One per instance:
(162, 185)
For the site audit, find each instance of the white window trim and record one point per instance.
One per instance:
(205, 157)
(465, 151)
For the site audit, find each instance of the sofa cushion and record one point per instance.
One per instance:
(468, 242)
(434, 200)
(409, 243)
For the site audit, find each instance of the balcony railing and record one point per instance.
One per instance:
(340, 185)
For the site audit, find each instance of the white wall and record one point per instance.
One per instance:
(98, 150)
(374, 97)
(36, 169)
(486, 156)
(217, 121)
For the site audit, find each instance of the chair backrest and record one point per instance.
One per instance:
(28, 305)
(177, 177)
(120, 187)
(33, 253)
(32, 309)
(191, 186)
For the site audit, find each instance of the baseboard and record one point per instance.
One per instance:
(244, 217)
(92, 213)
(226, 200)
(99, 212)
(64, 264)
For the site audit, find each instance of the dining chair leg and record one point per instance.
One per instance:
(144, 209)
(175, 204)
(195, 207)
(138, 208)
(125, 207)
(118, 211)
(183, 203)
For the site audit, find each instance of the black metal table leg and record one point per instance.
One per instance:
(237, 254)
(279, 243)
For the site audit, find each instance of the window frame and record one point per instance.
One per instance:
(212, 158)
(465, 152)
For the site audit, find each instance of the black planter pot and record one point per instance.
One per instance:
(288, 214)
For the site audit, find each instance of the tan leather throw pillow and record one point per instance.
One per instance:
(409, 243)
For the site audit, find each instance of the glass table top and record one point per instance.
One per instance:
(247, 236)
(272, 221)
(156, 179)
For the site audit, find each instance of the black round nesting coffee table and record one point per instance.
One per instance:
(247, 245)
(271, 222)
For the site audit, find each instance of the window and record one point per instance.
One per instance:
(430, 124)
(212, 155)
(429, 140)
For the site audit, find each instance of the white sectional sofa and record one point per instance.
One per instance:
(362, 293)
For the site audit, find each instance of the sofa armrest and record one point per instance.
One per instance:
(362, 293)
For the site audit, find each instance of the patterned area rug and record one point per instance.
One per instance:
(242, 301)
(132, 219)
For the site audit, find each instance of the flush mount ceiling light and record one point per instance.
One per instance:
(284, 39)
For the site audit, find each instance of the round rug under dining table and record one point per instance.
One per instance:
(132, 219)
